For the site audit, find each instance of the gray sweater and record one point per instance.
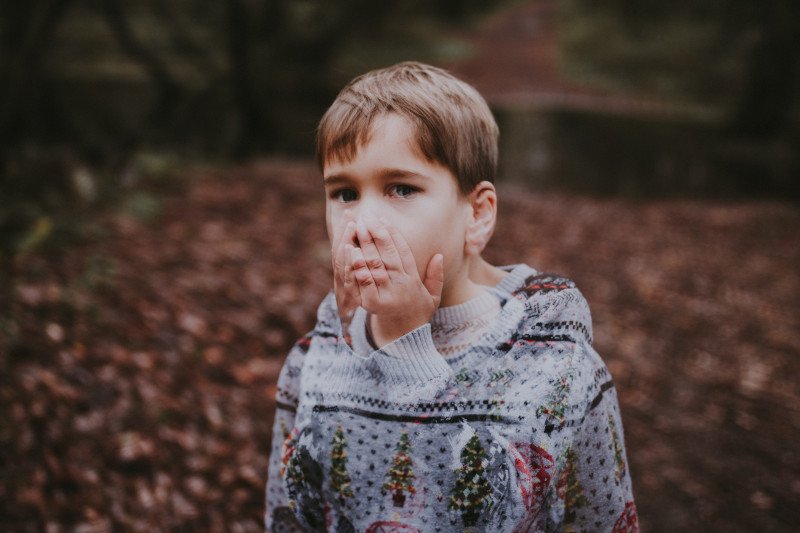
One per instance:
(519, 432)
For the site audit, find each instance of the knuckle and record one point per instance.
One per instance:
(374, 263)
(359, 264)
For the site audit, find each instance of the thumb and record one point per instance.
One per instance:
(434, 278)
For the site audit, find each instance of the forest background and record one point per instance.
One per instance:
(162, 243)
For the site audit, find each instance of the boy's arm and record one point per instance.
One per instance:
(595, 480)
(278, 515)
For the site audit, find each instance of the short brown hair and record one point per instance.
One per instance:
(454, 125)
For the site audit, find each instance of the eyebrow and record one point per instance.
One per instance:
(335, 179)
(384, 173)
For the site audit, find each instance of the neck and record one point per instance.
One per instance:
(468, 283)
(483, 273)
(459, 292)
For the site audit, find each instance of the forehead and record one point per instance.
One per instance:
(391, 141)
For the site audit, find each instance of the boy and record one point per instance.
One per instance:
(437, 392)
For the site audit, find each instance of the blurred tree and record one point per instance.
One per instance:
(93, 82)
(737, 55)
(769, 91)
(158, 72)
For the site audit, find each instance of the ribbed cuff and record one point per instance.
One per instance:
(412, 360)
(346, 371)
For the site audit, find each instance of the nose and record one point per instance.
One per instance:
(366, 209)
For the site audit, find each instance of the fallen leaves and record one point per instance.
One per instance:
(140, 391)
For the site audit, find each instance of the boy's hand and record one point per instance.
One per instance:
(345, 289)
(389, 284)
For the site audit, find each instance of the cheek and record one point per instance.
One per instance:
(424, 243)
(333, 222)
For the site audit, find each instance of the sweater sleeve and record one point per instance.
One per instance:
(594, 483)
(278, 515)
(597, 483)
(413, 368)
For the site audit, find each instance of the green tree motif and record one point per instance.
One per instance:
(557, 401)
(570, 488)
(469, 496)
(619, 456)
(340, 479)
(294, 471)
(401, 476)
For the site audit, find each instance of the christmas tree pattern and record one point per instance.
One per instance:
(469, 496)
(401, 475)
(619, 455)
(340, 479)
(569, 487)
(303, 487)
(557, 402)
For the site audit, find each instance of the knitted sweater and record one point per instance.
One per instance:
(519, 432)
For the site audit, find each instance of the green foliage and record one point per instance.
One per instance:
(694, 53)
(143, 206)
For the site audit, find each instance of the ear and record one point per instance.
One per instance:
(483, 215)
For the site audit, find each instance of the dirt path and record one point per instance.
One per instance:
(140, 393)
(516, 63)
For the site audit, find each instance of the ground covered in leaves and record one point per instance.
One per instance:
(137, 384)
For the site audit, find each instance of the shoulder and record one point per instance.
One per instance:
(327, 326)
(554, 305)
(557, 321)
(326, 329)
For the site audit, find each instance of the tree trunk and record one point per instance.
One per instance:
(167, 87)
(771, 74)
(241, 79)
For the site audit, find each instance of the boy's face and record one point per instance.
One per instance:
(390, 178)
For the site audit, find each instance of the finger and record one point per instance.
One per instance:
(363, 277)
(348, 278)
(347, 293)
(340, 237)
(434, 278)
(386, 248)
(406, 257)
(341, 260)
(370, 251)
(350, 282)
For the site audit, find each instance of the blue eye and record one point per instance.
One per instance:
(345, 195)
(404, 190)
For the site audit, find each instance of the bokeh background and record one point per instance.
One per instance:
(162, 240)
